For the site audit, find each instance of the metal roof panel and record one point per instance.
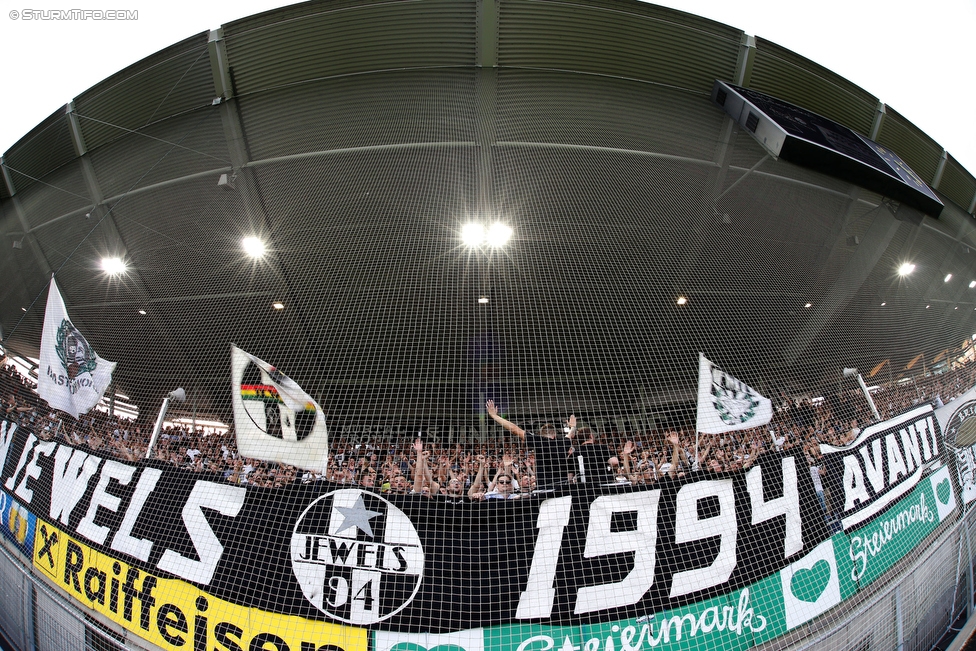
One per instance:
(921, 152)
(62, 191)
(167, 83)
(173, 148)
(546, 106)
(44, 149)
(359, 111)
(786, 75)
(620, 39)
(329, 40)
(958, 184)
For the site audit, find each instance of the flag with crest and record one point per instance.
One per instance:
(71, 376)
(726, 404)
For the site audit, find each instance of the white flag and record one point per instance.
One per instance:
(725, 404)
(276, 420)
(71, 377)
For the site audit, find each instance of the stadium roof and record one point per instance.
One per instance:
(356, 139)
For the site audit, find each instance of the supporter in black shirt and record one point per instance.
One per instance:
(552, 465)
(598, 463)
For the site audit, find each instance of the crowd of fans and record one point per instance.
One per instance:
(508, 465)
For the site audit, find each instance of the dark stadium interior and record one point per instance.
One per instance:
(624, 185)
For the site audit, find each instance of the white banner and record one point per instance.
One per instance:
(957, 420)
(725, 404)
(71, 377)
(275, 420)
(880, 466)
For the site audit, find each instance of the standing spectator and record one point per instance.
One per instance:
(503, 488)
(454, 493)
(552, 466)
(812, 453)
(423, 480)
(597, 462)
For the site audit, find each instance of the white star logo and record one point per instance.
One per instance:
(358, 516)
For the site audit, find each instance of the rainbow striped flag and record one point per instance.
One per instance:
(274, 418)
(267, 393)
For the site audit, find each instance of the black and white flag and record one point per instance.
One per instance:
(71, 377)
(726, 404)
(275, 420)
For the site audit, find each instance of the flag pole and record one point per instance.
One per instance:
(157, 427)
(179, 395)
(867, 394)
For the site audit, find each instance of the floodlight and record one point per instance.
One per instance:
(278, 305)
(808, 305)
(906, 269)
(473, 234)
(947, 278)
(682, 300)
(483, 300)
(498, 234)
(972, 284)
(113, 266)
(253, 246)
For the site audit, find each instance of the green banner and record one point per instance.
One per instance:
(728, 622)
(872, 550)
(833, 572)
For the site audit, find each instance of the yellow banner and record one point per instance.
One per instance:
(174, 614)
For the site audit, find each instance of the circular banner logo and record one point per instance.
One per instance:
(357, 557)
(960, 430)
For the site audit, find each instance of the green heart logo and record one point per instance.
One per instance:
(413, 646)
(808, 584)
(943, 491)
